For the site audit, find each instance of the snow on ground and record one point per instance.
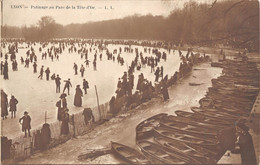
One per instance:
(122, 128)
(38, 96)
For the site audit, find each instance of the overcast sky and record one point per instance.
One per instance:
(14, 16)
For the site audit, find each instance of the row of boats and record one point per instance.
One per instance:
(196, 136)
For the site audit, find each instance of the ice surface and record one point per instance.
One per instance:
(38, 96)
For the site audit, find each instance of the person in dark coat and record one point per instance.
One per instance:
(82, 70)
(161, 73)
(4, 105)
(62, 105)
(2, 67)
(95, 65)
(67, 86)
(12, 103)
(53, 76)
(37, 140)
(140, 82)
(5, 71)
(26, 125)
(6, 146)
(119, 83)
(57, 82)
(77, 98)
(246, 146)
(85, 85)
(157, 72)
(34, 67)
(112, 106)
(47, 71)
(75, 67)
(41, 73)
(165, 91)
(45, 136)
(88, 115)
(65, 122)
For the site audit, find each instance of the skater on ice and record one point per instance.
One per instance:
(26, 124)
(12, 103)
(67, 86)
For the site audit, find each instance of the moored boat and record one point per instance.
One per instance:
(128, 154)
(183, 149)
(198, 123)
(144, 129)
(155, 151)
(213, 113)
(202, 118)
(190, 129)
(184, 138)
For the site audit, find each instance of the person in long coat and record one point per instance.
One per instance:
(5, 71)
(62, 105)
(26, 125)
(246, 146)
(77, 98)
(165, 91)
(47, 71)
(2, 67)
(65, 122)
(4, 105)
(45, 135)
(157, 72)
(12, 103)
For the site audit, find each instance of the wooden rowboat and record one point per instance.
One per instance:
(183, 149)
(190, 129)
(128, 154)
(219, 108)
(165, 132)
(212, 113)
(145, 128)
(197, 123)
(155, 151)
(202, 118)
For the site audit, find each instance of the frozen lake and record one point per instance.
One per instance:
(38, 96)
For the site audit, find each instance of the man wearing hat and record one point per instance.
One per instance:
(61, 104)
(26, 125)
(246, 146)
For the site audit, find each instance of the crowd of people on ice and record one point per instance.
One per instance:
(128, 94)
(125, 86)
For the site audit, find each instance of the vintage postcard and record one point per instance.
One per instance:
(127, 81)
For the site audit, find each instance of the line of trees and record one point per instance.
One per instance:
(231, 22)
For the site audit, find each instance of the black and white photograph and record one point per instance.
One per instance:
(130, 82)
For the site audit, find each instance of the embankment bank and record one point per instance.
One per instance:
(122, 127)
